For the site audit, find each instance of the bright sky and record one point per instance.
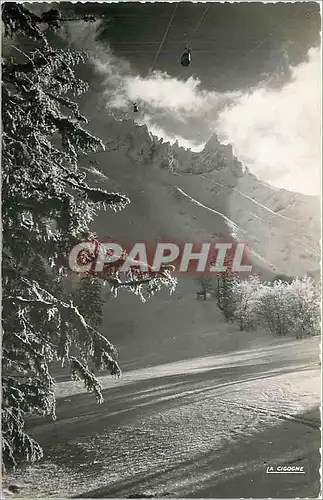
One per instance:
(277, 134)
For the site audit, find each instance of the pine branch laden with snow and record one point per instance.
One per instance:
(127, 273)
(17, 19)
(47, 207)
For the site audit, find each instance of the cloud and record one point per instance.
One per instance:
(162, 134)
(162, 91)
(277, 132)
(180, 108)
(171, 108)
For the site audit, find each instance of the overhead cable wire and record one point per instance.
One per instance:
(260, 43)
(199, 22)
(163, 40)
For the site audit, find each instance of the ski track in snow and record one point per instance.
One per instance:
(232, 225)
(256, 216)
(264, 207)
(277, 414)
(262, 259)
(177, 435)
(250, 199)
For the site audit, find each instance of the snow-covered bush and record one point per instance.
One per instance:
(305, 302)
(290, 308)
(272, 307)
(245, 298)
(283, 308)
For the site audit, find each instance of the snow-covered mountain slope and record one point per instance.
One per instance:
(169, 201)
(281, 227)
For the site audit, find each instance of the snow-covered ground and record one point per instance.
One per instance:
(201, 409)
(203, 427)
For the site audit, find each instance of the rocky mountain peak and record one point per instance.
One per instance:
(281, 226)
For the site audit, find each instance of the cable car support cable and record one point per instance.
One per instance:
(259, 44)
(199, 22)
(163, 41)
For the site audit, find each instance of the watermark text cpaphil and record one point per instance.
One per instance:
(190, 258)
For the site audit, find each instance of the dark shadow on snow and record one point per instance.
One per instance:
(137, 397)
(247, 477)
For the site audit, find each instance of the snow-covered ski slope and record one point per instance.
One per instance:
(202, 427)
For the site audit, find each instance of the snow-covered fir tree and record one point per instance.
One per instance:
(245, 293)
(206, 287)
(47, 207)
(225, 280)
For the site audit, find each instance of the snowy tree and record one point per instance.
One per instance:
(88, 298)
(273, 307)
(245, 299)
(17, 19)
(225, 279)
(290, 308)
(305, 307)
(47, 207)
(224, 293)
(206, 287)
(283, 277)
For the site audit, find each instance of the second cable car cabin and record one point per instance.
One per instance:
(186, 57)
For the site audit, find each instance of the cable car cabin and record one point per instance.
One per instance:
(186, 57)
(135, 108)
